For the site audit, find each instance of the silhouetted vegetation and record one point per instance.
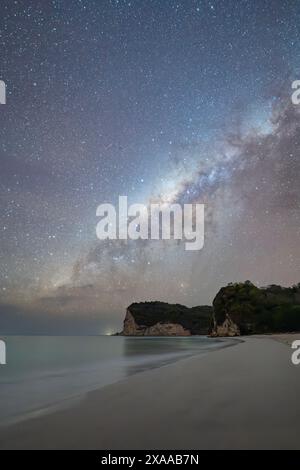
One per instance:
(254, 310)
(197, 319)
(270, 309)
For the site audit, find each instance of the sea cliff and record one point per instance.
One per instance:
(163, 319)
(243, 308)
(238, 309)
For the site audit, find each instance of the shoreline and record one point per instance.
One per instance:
(234, 397)
(284, 338)
(69, 400)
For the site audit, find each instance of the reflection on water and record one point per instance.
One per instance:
(152, 352)
(42, 371)
(161, 345)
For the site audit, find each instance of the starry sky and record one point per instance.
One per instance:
(174, 101)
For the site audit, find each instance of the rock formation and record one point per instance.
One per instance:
(162, 319)
(243, 308)
(227, 328)
(238, 309)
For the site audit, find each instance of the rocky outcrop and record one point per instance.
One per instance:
(243, 308)
(131, 328)
(166, 329)
(227, 328)
(163, 319)
(238, 309)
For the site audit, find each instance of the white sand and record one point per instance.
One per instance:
(286, 338)
(245, 396)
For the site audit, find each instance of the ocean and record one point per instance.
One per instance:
(45, 372)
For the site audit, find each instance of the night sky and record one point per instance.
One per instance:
(176, 101)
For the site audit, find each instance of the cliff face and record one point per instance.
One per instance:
(162, 319)
(238, 309)
(227, 328)
(243, 308)
(131, 328)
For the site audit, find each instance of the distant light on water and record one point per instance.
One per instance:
(108, 332)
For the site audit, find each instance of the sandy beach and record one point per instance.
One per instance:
(286, 338)
(240, 397)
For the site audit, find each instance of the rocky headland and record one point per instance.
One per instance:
(238, 309)
(163, 319)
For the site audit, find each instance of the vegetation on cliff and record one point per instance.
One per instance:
(198, 320)
(240, 308)
(259, 310)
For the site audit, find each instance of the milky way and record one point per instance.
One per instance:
(177, 101)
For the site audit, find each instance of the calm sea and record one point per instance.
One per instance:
(49, 371)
